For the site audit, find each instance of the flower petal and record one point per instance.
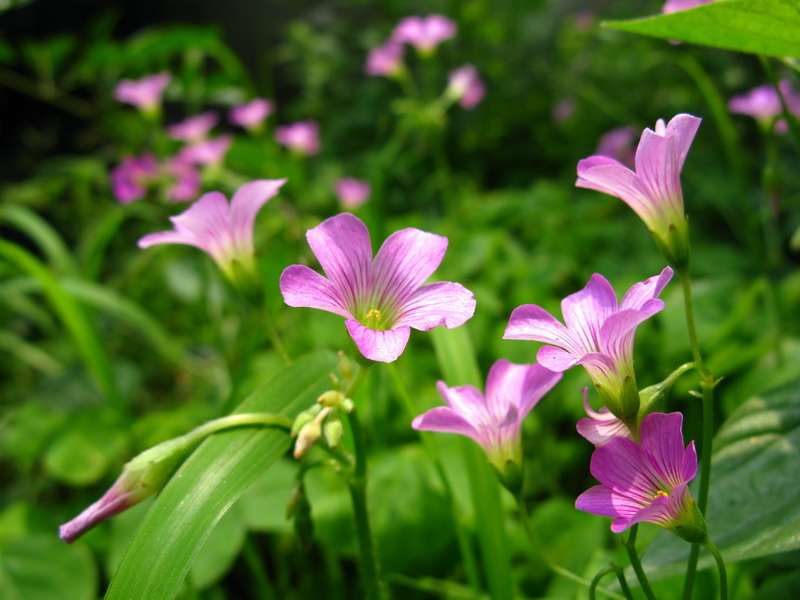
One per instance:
(444, 303)
(598, 500)
(302, 286)
(622, 465)
(681, 129)
(616, 335)
(531, 322)
(519, 385)
(467, 401)
(245, 204)
(585, 311)
(556, 359)
(341, 245)
(406, 259)
(646, 290)
(662, 440)
(610, 177)
(380, 346)
(446, 420)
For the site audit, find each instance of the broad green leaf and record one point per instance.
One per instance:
(768, 27)
(209, 482)
(754, 502)
(220, 551)
(42, 567)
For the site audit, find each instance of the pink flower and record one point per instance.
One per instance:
(386, 60)
(671, 6)
(223, 231)
(187, 180)
(352, 193)
(193, 129)
(251, 115)
(618, 144)
(764, 104)
(466, 87)
(598, 335)
(647, 482)
(208, 152)
(424, 33)
(301, 137)
(654, 190)
(493, 421)
(600, 427)
(129, 179)
(380, 299)
(145, 94)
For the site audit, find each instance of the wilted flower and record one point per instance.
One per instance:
(141, 477)
(193, 129)
(647, 482)
(424, 33)
(144, 94)
(618, 144)
(493, 420)
(352, 193)
(598, 335)
(600, 426)
(129, 179)
(208, 152)
(386, 60)
(381, 298)
(301, 137)
(466, 87)
(654, 190)
(223, 231)
(252, 114)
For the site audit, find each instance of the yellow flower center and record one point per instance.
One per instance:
(660, 493)
(373, 319)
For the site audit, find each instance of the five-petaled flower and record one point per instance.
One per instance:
(251, 115)
(654, 190)
(385, 60)
(466, 87)
(301, 137)
(194, 129)
(352, 192)
(130, 179)
(598, 334)
(381, 298)
(424, 33)
(647, 482)
(224, 231)
(493, 420)
(144, 94)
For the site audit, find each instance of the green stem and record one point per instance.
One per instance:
(791, 120)
(566, 573)
(623, 583)
(723, 573)
(240, 420)
(370, 571)
(464, 546)
(630, 546)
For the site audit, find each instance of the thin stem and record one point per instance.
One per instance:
(688, 304)
(464, 546)
(623, 583)
(46, 92)
(566, 573)
(370, 571)
(630, 546)
(241, 420)
(691, 571)
(723, 573)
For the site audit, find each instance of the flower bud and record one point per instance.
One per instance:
(331, 398)
(333, 430)
(308, 435)
(305, 417)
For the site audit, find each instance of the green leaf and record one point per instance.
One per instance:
(210, 481)
(754, 502)
(771, 28)
(42, 567)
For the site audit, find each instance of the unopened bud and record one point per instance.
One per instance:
(333, 430)
(308, 435)
(348, 405)
(331, 398)
(305, 417)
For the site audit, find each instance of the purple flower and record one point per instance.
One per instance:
(618, 144)
(193, 129)
(301, 137)
(598, 335)
(208, 152)
(252, 114)
(144, 94)
(129, 179)
(386, 60)
(466, 87)
(381, 298)
(647, 482)
(600, 426)
(352, 193)
(764, 104)
(493, 420)
(654, 190)
(424, 33)
(224, 231)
